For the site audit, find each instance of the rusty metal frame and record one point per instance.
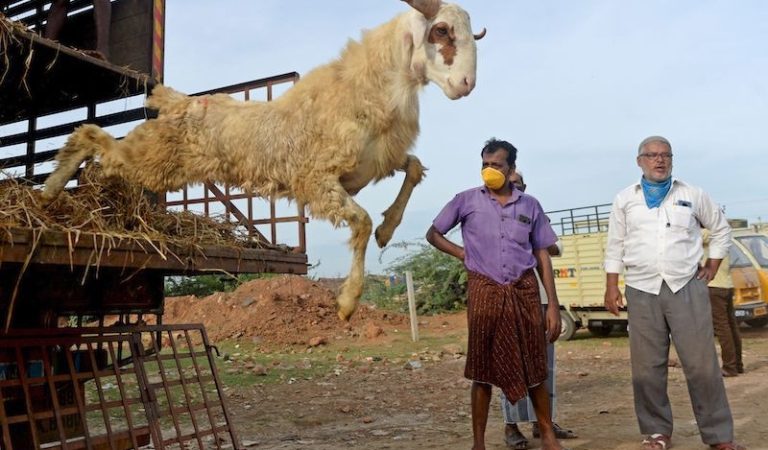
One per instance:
(72, 388)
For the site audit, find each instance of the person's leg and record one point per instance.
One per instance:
(734, 327)
(514, 413)
(102, 14)
(690, 320)
(720, 304)
(649, 356)
(560, 432)
(57, 15)
(481, 402)
(540, 399)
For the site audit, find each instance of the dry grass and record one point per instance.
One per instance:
(6, 40)
(116, 210)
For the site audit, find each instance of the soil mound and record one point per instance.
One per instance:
(284, 310)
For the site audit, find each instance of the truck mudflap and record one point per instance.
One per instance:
(751, 310)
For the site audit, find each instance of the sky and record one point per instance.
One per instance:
(575, 85)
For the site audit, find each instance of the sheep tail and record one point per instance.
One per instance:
(84, 143)
(163, 98)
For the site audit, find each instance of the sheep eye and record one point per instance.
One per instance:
(441, 31)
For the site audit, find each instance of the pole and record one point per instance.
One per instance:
(412, 306)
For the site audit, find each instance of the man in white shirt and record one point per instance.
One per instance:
(654, 236)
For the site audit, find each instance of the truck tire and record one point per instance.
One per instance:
(758, 323)
(568, 328)
(600, 331)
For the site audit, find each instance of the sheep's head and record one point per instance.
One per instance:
(443, 46)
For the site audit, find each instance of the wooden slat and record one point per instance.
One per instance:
(53, 248)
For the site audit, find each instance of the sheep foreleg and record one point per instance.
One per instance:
(414, 173)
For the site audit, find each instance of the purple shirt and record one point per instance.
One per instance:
(498, 240)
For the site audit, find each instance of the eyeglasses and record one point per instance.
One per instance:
(654, 156)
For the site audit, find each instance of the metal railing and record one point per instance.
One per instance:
(588, 219)
(112, 387)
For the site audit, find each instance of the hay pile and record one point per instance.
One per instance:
(116, 210)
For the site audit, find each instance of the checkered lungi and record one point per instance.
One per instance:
(507, 339)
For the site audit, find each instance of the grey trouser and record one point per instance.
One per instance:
(686, 317)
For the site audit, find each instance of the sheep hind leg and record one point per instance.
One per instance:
(336, 205)
(414, 173)
(84, 143)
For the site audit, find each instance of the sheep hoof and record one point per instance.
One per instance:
(45, 198)
(347, 306)
(346, 313)
(382, 236)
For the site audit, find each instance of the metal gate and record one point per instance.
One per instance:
(112, 388)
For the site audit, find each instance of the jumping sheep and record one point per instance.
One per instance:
(343, 125)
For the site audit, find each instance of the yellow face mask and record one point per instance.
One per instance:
(493, 178)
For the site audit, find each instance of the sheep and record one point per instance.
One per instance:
(343, 125)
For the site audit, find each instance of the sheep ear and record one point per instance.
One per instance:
(418, 29)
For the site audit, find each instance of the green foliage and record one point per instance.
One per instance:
(204, 285)
(384, 295)
(440, 280)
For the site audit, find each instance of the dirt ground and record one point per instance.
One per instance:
(298, 378)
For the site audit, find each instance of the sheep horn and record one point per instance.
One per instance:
(427, 7)
(480, 35)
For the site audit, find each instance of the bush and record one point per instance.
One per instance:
(385, 296)
(204, 285)
(440, 280)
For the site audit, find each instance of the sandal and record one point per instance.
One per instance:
(514, 438)
(560, 433)
(660, 442)
(727, 446)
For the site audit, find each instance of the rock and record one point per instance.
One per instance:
(371, 330)
(367, 419)
(453, 349)
(259, 370)
(305, 363)
(413, 365)
(316, 341)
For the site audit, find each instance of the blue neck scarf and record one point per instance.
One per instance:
(655, 192)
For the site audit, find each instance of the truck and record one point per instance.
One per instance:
(81, 312)
(580, 277)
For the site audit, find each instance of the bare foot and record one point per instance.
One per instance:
(550, 443)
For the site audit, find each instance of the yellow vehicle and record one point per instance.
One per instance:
(749, 270)
(580, 278)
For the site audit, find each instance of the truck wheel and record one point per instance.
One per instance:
(758, 323)
(568, 328)
(601, 331)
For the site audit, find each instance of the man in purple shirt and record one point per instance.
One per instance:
(506, 236)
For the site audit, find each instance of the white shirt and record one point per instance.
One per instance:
(663, 244)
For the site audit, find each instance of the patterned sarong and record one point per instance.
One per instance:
(507, 339)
